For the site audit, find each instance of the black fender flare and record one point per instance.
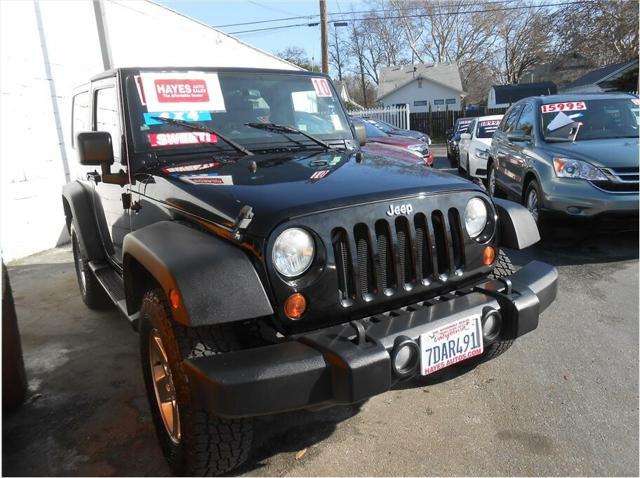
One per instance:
(518, 229)
(78, 209)
(215, 280)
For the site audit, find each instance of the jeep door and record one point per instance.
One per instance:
(504, 151)
(112, 219)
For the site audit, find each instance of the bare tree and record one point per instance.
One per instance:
(297, 56)
(605, 31)
(337, 52)
(524, 41)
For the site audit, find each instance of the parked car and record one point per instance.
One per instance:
(569, 155)
(395, 131)
(376, 135)
(474, 146)
(453, 138)
(268, 269)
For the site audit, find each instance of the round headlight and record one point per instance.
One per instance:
(293, 252)
(475, 216)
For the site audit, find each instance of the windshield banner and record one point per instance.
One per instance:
(181, 91)
(159, 140)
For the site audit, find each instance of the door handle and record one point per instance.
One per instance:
(94, 176)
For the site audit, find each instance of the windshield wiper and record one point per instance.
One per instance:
(205, 129)
(283, 129)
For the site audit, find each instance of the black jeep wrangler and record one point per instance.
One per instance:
(268, 262)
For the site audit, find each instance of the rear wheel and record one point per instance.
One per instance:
(92, 292)
(194, 441)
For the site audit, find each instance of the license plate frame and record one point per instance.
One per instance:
(446, 345)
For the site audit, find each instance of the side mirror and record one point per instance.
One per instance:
(95, 148)
(465, 136)
(361, 134)
(518, 136)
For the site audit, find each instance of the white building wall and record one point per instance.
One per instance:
(46, 49)
(429, 92)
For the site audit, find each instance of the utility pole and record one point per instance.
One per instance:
(324, 36)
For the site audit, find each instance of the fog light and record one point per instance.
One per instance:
(491, 324)
(404, 356)
(295, 306)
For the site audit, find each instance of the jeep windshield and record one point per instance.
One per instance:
(592, 119)
(232, 103)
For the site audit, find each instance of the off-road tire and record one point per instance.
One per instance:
(208, 445)
(503, 268)
(93, 294)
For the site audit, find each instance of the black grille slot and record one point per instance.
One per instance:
(343, 264)
(365, 261)
(385, 269)
(440, 242)
(405, 256)
(456, 238)
(423, 249)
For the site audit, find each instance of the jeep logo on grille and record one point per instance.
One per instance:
(395, 210)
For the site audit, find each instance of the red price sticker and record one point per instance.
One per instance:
(159, 140)
(568, 106)
(321, 85)
(490, 123)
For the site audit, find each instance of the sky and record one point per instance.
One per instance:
(223, 12)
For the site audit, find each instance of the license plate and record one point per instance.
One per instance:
(449, 344)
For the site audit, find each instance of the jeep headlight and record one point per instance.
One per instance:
(573, 168)
(475, 217)
(293, 252)
(416, 147)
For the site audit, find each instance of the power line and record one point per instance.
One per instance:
(396, 17)
(314, 15)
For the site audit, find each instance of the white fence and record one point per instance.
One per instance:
(396, 115)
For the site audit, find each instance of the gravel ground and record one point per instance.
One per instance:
(562, 401)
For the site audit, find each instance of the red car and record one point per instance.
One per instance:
(374, 135)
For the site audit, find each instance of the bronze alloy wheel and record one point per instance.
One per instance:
(163, 386)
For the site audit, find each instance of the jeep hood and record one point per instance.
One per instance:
(281, 186)
(605, 153)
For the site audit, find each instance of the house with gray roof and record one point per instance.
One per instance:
(616, 77)
(424, 87)
(501, 96)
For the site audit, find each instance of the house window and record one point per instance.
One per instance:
(420, 103)
(438, 102)
(451, 101)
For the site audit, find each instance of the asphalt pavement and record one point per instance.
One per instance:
(562, 401)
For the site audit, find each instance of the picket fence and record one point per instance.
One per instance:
(398, 116)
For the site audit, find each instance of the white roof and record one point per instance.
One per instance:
(395, 77)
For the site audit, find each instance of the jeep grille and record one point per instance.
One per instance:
(393, 255)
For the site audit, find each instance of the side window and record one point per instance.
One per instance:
(80, 119)
(106, 112)
(525, 123)
(509, 121)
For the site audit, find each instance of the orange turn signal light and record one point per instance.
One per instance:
(295, 306)
(174, 298)
(488, 255)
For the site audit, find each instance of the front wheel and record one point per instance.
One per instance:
(503, 268)
(194, 441)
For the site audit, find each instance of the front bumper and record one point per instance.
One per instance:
(349, 363)
(579, 198)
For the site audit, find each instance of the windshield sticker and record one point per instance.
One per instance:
(337, 124)
(182, 91)
(321, 85)
(568, 106)
(158, 140)
(319, 174)
(560, 121)
(191, 167)
(490, 123)
(179, 115)
(208, 179)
